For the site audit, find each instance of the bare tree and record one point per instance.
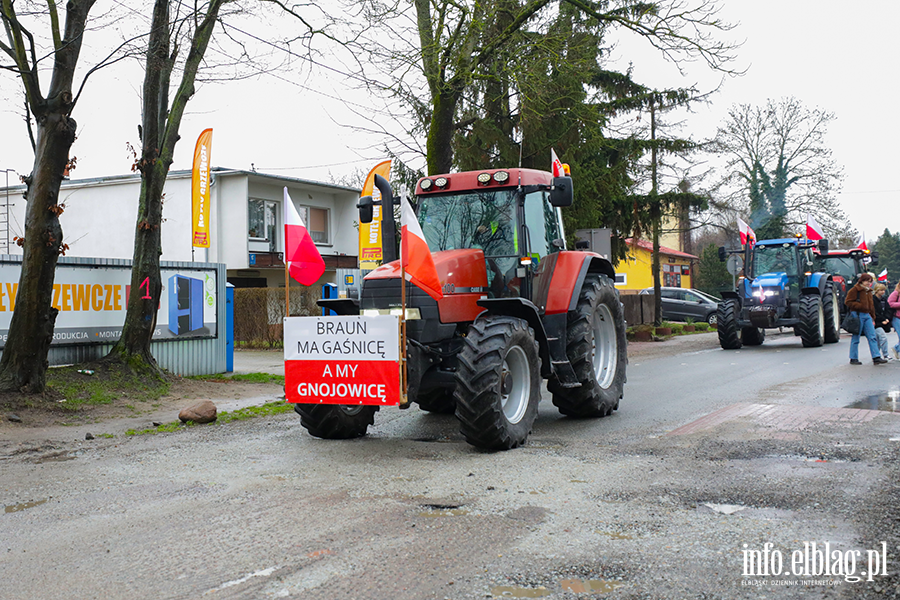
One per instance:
(456, 43)
(778, 168)
(175, 25)
(24, 363)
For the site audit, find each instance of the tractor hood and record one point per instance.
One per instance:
(461, 268)
(770, 280)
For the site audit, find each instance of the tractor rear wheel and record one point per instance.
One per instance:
(753, 336)
(832, 315)
(596, 348)
(335, 422)
(812, 321)
(498, 383)
(439, 401)
(727, 324)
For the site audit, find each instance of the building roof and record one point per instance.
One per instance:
(183, 173)
(648, 246)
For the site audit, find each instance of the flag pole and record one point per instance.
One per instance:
(404, 400)
(287, 290)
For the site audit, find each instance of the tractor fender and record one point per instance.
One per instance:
(521, 308)
(729, 295)
(568, 270)
(815, 284)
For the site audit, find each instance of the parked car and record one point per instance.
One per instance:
(679, 304)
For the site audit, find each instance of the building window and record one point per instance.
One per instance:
(316, 221)
(621, 278)
(262, 221)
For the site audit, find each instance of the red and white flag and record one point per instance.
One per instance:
(747, 234)
(862, 242)
(415, 255)
(883, 275)
(305, 264)
(814, 231)
(557, 165)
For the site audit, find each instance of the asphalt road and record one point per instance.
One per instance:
(648, 503)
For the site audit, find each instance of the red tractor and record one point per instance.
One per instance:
(517, 307)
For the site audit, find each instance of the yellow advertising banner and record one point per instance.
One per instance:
(370, 233)
(200, 190)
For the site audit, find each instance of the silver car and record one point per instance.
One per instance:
(679, 304)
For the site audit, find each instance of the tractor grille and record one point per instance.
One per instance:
(385, 293)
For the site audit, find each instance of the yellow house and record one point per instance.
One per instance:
(636, 273)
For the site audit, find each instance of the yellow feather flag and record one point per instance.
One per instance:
(200, 183)
(370, 233)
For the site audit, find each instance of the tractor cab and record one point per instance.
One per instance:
(845, 267)
(514, 227)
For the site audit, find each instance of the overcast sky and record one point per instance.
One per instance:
(839, 57)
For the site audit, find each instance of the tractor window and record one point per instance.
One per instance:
(484, 220)
(837, 265)
(543, 228)
(774, 259)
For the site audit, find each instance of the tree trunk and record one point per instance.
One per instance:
(440, 132)
(23, 366)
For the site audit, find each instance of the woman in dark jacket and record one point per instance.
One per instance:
(882, 319)
(859, 300)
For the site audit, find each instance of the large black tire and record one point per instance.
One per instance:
(336, 422)
(438, 401)
(832, 315)
(727, 324)
(596, 348)
(498, 383)
(753, 336)
(812, 321)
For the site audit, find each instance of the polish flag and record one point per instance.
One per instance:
(305, 264)
(862, 242)
(415, 255)
(558, 170)
(747, 234)
(883, 275)
(814, 231)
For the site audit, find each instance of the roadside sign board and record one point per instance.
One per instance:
(342, 360)
(735, 264)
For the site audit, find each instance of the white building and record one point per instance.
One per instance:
(246, 221)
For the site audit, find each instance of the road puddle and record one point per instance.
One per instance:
(509, 591)
(578, 586)
(888, 401)
(17, 507)
(442, 510)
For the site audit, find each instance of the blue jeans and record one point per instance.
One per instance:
(866, 328)
(896, 325)
(881, 336)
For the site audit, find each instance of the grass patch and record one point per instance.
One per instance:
(250, 412)
(75, 388)
(246, 377)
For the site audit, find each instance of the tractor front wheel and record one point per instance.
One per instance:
(832, 315)
(812, 321)
(334, 421)
(498, 383)
(595, 346)
(727, 324)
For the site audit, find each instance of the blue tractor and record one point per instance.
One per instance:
(780, 288)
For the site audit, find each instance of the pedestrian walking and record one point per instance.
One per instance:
(882, 320)
(894, 310)
(859, 300)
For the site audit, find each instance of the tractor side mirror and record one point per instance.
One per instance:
(823, 246)
(365, 209)
(723, 255)
(558, 243)
(582, 245)
(874, 257)
(561, 193)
